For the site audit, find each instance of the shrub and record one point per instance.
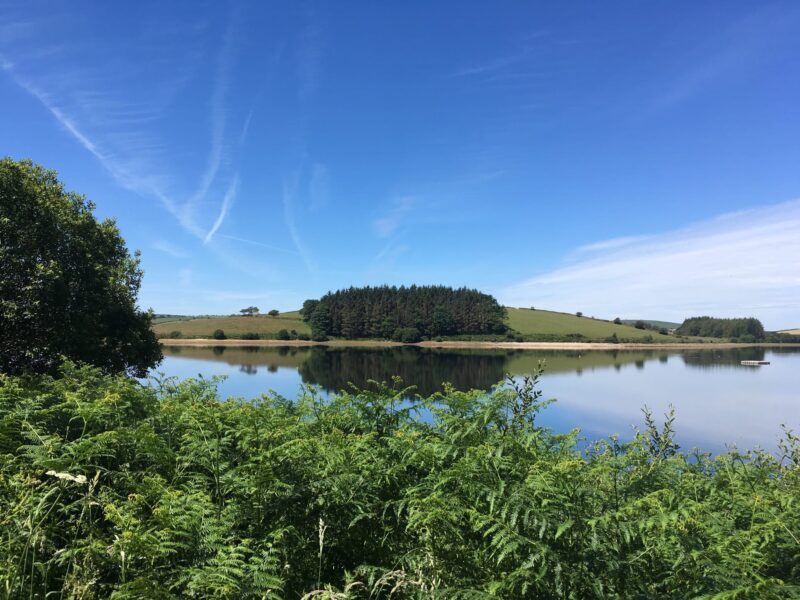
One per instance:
(579, 314)
(303, 336)
(519, 338)
(218, 334)
(406, 335)
(174, 334)
(283, 334)
(617, 321)
(250, 336)
(640, 325)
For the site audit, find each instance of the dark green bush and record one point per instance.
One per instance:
(218, 334)
(283, 334)
(250, 336)
(406, 335)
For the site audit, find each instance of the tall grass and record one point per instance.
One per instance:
(113, 489)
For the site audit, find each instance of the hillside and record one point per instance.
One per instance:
(791, 331)
(556, 324)
(234, 327)
(653, 323)
(534, 325)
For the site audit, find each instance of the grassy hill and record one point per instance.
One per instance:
(791, 331)
(234, 327)
(654, 323)
(546, 323)
(542, 325)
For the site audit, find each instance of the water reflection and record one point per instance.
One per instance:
(718, 401)
(336, 368)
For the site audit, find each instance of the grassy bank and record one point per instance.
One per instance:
(111, 489)
(233, 326)
(543, 323)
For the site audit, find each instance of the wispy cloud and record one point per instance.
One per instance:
(227, 202)
(386, 224)
(120, 126)
(169, 248)
(739, 264)
(507, 65)
(259, 244)
(737, 50)
(319, 187)
(289, 193)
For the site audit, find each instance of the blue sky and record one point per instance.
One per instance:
(623, 159)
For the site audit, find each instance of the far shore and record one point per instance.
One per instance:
(456, 344)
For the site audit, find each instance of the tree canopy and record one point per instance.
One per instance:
(68, 285)
(391, 312)
(722, 328)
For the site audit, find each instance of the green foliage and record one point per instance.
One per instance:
(378, 312)
(283, 335)
(274, 313)
(68, 285)
(111, 489)
(218, 334)
(250, 335)
(250, 311)
(722, 328)
(406, 335)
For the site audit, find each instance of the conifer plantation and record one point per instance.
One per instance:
(404, 313)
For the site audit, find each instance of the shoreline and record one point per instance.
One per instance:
(486, 345)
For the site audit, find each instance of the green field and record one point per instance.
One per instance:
(653, 323)
(543, 324)
(791, 331)
(233, 327)
(550, 323)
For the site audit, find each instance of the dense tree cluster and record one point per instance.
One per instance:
(748, 328)
(68, 284)
(404, 313)
(110, 489)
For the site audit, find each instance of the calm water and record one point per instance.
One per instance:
(718, 402)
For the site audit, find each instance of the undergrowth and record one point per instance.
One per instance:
(112, 489)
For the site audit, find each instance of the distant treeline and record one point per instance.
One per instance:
(748, 328)
(404, 314)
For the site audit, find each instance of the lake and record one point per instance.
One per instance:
(718, 402)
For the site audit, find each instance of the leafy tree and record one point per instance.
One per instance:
(407, 335)
(309, 306)
(250, 311)
(722, 328)
(617, 321)
(219, 334)
(640, 325)
(320, 322)
(274, 313)
(68, 285)
(579, 314)
(283, 334)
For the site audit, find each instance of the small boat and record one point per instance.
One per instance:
(754, 363)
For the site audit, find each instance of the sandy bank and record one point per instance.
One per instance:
(486, 345)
